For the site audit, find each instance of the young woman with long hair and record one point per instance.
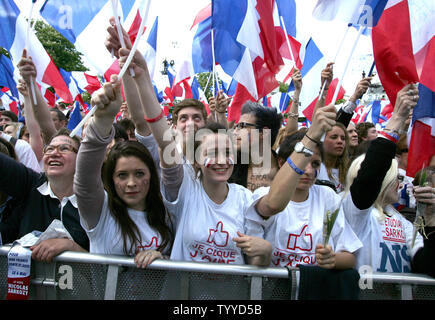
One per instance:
(122, 212)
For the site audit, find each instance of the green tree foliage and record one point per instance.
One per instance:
(283, 87)
(62, 51)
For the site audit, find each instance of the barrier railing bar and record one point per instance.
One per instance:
(276, 272)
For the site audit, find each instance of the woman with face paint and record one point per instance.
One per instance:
(209, 211)
(121, 209)
(296, 233)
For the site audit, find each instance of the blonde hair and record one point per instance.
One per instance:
(389, 179)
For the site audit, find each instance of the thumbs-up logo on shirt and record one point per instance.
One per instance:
(218, 236)
(302, 241)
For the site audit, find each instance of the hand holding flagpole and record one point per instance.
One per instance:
(118, 28)
(124, 68)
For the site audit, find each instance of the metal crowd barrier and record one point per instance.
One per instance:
(83, 276)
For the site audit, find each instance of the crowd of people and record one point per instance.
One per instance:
(203, 189)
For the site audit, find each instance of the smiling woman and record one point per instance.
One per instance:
(122, 210)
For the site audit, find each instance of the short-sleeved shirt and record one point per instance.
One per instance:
(106, 237)
(387, 239)
(295, 231)
(205, 229)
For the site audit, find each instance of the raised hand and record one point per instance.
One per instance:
(327, 75)
(26, 67)
(361, 88)
(297, 78)
(108, 99)
(323, 121)
(22, 87)
(222, 102)
(112, 43)
(406, 101)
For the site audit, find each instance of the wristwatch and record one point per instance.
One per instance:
(300, 148)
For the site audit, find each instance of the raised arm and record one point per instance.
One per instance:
(326, 77)
(130, 91)
(222, 103)
(35, 138)
(345, 114)
(286, 180)
(293, 115)
(88, 185)
(381, 151)
(41, 110)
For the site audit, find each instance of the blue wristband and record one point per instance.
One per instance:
(291, 164)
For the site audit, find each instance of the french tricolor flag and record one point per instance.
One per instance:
(85, 26)
(13, 38)
(313, 64)
(9, 102)
(198, 50)
(404, 51)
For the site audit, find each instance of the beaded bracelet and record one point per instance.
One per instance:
(293, 166)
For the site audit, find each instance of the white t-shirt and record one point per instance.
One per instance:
(106, 238)
(387, 244)
(323, 175)
(295, 231)
(205, 229)
(25, 153)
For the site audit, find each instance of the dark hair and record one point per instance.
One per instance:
(186, 103)
(66, 132)
(7, 148)
(120, 133)
(362, 129)
(127, 124)
(10, 115)
(288, 145)
(156, 213)
(265, 117)
(60, 114)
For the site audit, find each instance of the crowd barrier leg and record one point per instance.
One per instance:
(406, 291)
(256, 288)
(111, 282)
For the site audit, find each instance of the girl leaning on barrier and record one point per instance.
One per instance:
(291, 212)
(122, 212)
(390, 244)
(209, 210)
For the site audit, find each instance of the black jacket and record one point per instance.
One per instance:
(33, 211)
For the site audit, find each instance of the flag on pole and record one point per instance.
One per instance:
(13, 38)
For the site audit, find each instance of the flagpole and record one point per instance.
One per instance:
(118, 28)
(335, 58)
(289, 49)
(337, 89)
(214, 59)
(32, 85)
(214, 69)
(371, 69)
(124, 68)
